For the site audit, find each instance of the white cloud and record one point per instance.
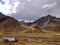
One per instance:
(29, 0)
(49, 5)
(19, 20)
(16, 4)
(26, 21)
(10, 7)
(4, 8)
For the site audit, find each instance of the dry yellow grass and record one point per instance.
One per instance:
(22, 35)
(24, 43)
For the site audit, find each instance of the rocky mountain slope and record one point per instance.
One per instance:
(48, 22)
(43, 24)
(9, 24)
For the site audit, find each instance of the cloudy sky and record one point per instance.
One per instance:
(30, 9)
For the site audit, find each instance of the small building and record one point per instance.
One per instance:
(10, 39)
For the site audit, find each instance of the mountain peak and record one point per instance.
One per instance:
(48, 22)
(2, 17)
(50, 16)
(46, 19)
(1, 13)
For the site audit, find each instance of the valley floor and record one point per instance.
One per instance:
(51, 38)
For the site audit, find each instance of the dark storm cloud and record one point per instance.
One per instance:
(2, 2)
(37, 8)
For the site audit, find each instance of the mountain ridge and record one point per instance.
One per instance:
(10, 24)
(48, 22)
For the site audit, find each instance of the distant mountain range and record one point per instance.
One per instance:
(10, 24)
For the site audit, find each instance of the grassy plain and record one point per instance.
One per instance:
(51, 38)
